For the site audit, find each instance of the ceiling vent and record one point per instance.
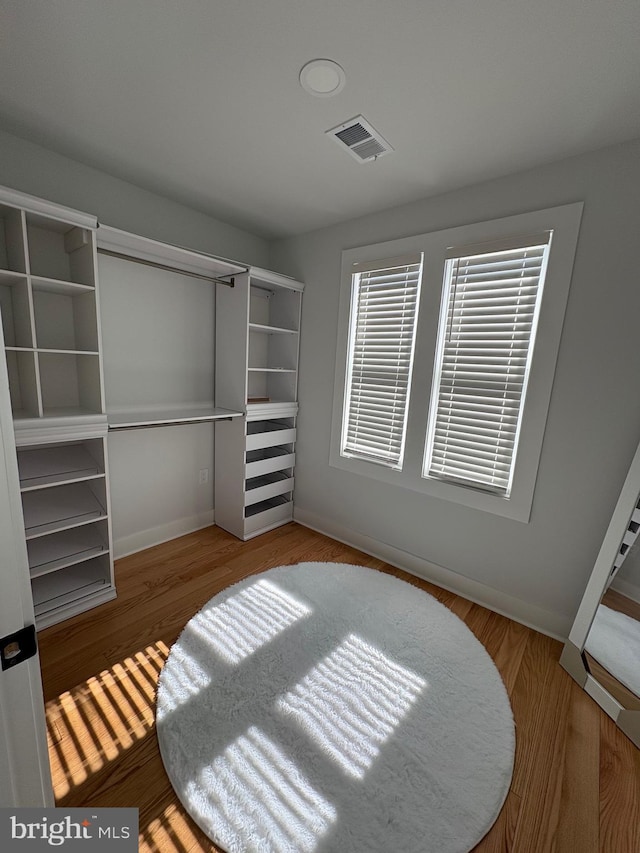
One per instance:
(360, 139)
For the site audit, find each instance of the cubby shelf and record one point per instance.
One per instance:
(50, 314)
(51, 330)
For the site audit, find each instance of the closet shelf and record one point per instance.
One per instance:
(168, 417)
(52, 553)
(60, 286)
(69, 506)
(66, 351)
(51, 413)
(10, 277)
(50, 350)
(53, 591)
(271, 330)
(271, 370)
(54, 465)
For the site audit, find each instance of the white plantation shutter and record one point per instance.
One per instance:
(487, 329)
(381, 343)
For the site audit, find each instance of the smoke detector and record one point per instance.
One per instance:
(360, 139)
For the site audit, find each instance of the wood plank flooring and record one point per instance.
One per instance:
(576, 782)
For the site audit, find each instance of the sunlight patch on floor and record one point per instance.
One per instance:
(102, 717)
(247, 620)
(172, 831)
(254, 791)
(351, 702)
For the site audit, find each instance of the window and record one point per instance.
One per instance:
(446, 357)
(485, 344)
(380, 359)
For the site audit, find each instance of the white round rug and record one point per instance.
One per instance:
(327, 707)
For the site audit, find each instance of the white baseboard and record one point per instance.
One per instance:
(625, 588)
(157, 535)
(546, 622)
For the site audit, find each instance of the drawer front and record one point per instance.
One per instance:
(269, 518)
(270, 438)
(267, 466)
(269, 490)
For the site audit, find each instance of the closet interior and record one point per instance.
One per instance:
(193, 342)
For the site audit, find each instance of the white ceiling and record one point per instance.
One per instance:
(199, 99)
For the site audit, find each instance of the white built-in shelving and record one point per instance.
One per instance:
(51, 332)
(65, 505)
(51, 335)
(49, 311)
(257, 346)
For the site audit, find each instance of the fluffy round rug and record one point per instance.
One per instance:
(327, 707)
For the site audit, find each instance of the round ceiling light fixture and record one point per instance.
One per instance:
(322, 78)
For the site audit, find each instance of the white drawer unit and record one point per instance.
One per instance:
(268, 475)
(270, 433)
(260, 489)
(268, 459)
(257, 494)
(267, 515)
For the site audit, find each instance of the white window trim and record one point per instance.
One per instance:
(565, 223)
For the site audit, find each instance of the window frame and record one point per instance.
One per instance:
(358, 270)
(451, 288)
(564, 221)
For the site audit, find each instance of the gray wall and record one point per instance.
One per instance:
(594, 419)
(43, 173)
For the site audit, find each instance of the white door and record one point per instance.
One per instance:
(25, 778)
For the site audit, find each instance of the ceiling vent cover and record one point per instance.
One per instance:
(360, 139)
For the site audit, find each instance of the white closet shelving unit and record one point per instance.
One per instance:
(52, 342)
(51, 330)
(257, 346)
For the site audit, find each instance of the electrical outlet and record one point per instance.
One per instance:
(203, 476)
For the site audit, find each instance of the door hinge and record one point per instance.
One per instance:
(14, 648)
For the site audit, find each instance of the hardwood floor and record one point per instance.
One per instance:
(576, 783)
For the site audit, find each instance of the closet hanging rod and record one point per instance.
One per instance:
(146, 263)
